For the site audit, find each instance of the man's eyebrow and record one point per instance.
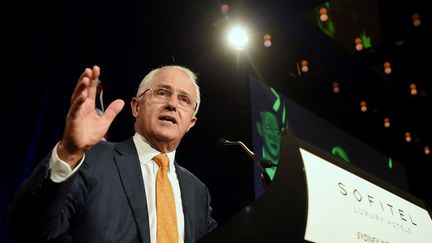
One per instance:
(166, 86)
(184, 93)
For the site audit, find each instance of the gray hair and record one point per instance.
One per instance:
(149, 78)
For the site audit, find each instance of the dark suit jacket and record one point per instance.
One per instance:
(104, 201)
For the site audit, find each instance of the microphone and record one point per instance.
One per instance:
(261, 162)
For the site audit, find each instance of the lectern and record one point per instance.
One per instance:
(316, 197)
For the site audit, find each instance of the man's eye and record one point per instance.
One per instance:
(163, 92)
(185, 99)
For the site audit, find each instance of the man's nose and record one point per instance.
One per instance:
(173, 101)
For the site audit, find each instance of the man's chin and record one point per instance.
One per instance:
(166, 136)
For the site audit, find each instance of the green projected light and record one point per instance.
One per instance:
(270, 131)
(343, 21)
(327, 27)
(269, 127)
(366, 40)
(341, 153)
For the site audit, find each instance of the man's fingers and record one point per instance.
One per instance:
(93, 82)
(79, 88)
(77, 104)
(87, 73)
(113, 109)
(95, 72)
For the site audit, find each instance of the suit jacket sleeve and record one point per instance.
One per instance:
(40, 210)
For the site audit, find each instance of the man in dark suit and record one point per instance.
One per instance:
(89, 190)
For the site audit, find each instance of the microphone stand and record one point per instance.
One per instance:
(261, 163)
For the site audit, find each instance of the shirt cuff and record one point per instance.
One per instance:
(60, 170)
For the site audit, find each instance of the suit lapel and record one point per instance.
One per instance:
(186, 202)
(131, 176)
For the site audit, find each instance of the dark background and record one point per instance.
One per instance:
(46, 46)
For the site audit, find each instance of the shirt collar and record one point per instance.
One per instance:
(146, 152)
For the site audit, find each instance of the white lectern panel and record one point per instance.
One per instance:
(343, 207)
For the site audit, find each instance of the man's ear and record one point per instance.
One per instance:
(193, 121)
(135, 107)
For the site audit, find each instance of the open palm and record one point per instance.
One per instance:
(84, 126)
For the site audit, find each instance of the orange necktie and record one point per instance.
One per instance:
(166, 231)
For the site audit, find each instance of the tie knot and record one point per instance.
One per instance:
(162, 160)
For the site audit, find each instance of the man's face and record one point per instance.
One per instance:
(271, 133)
(165, 123)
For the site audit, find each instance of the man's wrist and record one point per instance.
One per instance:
(60, 169)
(71, 158)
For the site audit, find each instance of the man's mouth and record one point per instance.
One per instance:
(168, 119)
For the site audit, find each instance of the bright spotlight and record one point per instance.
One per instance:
(238, 38)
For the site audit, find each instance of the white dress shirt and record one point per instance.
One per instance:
(60, 171)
